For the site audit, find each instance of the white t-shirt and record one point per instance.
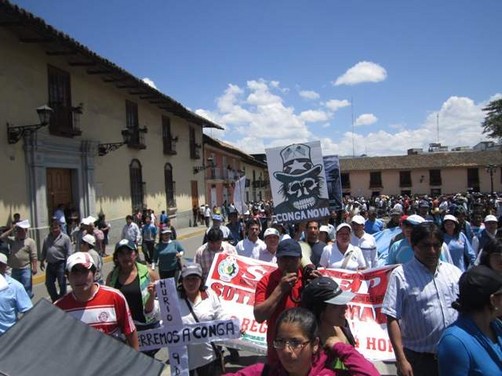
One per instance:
(334, 259)
(249, 249)
(368, 247)
(265, 255)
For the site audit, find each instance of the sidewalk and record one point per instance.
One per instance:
(182, 233)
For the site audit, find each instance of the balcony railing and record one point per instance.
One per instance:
(436, 182)
(195, 150)
(375, 184)
(65, 120)
(137, 138)
(170, 145)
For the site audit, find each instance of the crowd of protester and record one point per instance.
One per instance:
(444, 293)
(437, 240)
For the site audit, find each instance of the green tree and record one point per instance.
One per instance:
(492, 125)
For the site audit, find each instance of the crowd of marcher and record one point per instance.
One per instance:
(443, 299)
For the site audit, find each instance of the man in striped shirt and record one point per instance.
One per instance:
(204, 255)
(418, 303)
(100, 307)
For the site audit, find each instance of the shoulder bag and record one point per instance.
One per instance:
(217, 351)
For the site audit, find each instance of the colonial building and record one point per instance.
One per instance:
(113, 144)
(431, 173)
(224, 165)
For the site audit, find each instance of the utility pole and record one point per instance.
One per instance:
(352, 114)
(437, 128)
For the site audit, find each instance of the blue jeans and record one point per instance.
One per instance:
(53, 272)
(23, 276)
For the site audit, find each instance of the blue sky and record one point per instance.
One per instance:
(363, 77)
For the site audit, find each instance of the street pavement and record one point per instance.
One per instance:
(191, 239)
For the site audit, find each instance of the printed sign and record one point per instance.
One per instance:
(175, 336)
(298, 182)
(234, 280)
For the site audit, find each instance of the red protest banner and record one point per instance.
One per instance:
(234, 280)
(364, 313)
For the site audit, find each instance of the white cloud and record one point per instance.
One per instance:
(256, 116)
(261, 95)
(364, 71)
(149, 82)
(314, 116)
(365, 119)
(228, 100)
(459, 125)
(397, 126)
(494, 97)
(336, 104)
(309, 94)
(277, 85)
(459, 122)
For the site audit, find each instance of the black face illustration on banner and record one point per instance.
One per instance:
(300, 178)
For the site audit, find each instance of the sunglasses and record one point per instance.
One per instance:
(293, 344)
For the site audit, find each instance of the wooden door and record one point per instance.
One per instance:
(195, 194)
(59, 189)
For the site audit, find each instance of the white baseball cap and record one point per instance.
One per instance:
(23, 224)
(271, 231)
(490, 218)
(449, 217)
(89, 239)
(359, 219)
(324, 228)
(79, 258)
(88, 220)
(414, 219)
(342, 225)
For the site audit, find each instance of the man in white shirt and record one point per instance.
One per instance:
(251, 246)
(271, 237)
(207, 215)
(131, 231)
(418, 302)
(364, 241)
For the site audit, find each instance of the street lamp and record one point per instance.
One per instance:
(211, 164)
(15, 133)
(106, 148)
(491, 169)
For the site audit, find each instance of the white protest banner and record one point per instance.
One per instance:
(239, 195)
(234, 280)
(175, 336)
(298, 182)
